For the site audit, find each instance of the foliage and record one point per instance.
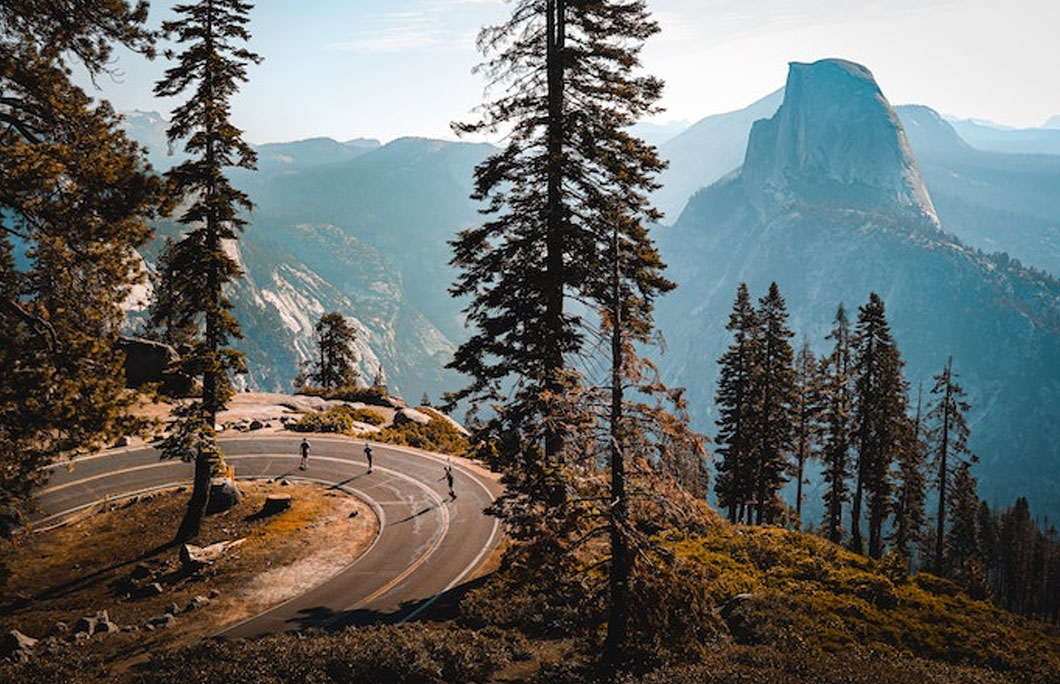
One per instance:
(438, 435)
(337, 362)
(810, 595)
(74, 196)
(194, 303)
(374, 395)
(339, 419)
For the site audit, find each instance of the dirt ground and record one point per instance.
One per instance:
(105, 560)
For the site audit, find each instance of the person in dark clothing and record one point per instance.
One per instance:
(305, 454)
(368, 455)
(449, 480)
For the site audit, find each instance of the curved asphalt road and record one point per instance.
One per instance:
(427, 543)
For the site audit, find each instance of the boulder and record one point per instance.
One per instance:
(16, 642)
(407, 415)
(148, 361)
(223, 495)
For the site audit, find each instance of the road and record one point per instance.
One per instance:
(427, 543)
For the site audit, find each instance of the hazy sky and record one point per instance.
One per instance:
(388, 68)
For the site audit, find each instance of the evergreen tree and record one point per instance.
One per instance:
(880, 422)
(962, 537)
(949, 435)
(806, 415)
(569, 95)
(336, 365)
(837, 415)
(912, 485)
(776, 393)
(212, 66)
(738, 407)
(74, 196)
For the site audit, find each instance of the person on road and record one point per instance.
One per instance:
(305, 454)
(449, 479)
(368, 455)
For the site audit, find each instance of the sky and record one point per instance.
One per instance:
(391, 68)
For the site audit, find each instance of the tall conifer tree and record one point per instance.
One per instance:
(837, 416)
(909, 518)
(336, 365)
(738, 407)
(880, 422)
(212, 66)
(569, 94)
(806, 415)
(74, 196)
(774, 426)
(948, 433)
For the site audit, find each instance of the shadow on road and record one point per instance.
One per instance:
(445, 606)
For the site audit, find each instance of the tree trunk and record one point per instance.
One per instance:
(621, 563)
(200, 494)
(554, 238)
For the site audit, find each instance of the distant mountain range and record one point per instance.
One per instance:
(823, 194)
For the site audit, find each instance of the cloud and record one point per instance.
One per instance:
(424, 25)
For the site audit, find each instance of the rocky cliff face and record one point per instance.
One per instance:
(835, 140)
(352, 227)
(830, 205)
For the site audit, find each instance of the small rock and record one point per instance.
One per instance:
(153, 589)
(256, 425)
(141, 571)
(196, 603)
(80, 636)
(149, 627)
(163, 621)
(86, 625)
(122, 442)
(130, 628)
(355, 514)
(61, 628)
(214, 594)
(284, 483)
(15, 642)
(173, 608)
(107, 627)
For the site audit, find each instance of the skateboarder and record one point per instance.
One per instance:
(449, 480)
(368, 455)
(305, 454)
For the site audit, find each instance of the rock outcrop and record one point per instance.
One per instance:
(834, 141)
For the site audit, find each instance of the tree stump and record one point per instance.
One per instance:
(276, 503)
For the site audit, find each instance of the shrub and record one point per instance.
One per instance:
(438, 435)
(376, 396)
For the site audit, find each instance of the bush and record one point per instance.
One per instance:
(376, 396)
(439, 435)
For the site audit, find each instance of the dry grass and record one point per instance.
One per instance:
(76, 570)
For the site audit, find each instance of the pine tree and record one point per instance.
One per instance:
(776, 394)
(336, 366)
(962, 536)
(949, 435)
(212, 65)
(569, 96)
(912, 487)
(806, 415)
(74, 196)
(738, 407)
(880, 422)
(837, 416)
